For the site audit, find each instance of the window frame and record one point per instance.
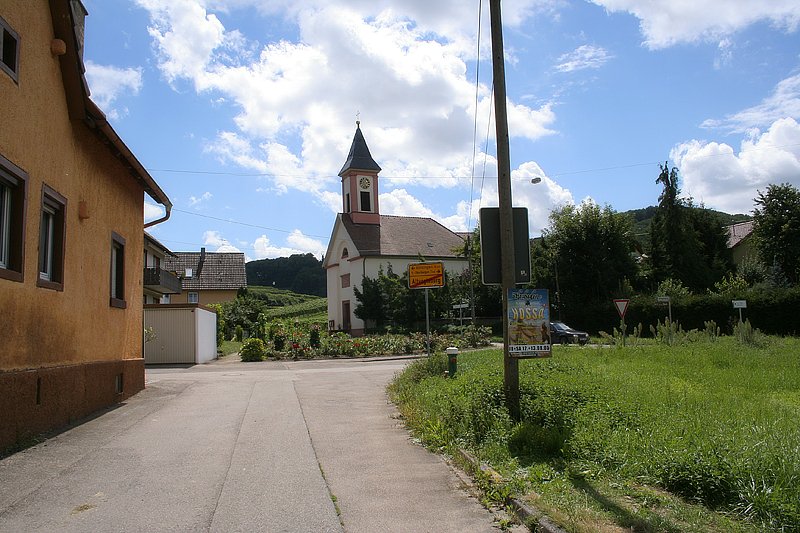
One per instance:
(54, 204)
(345, 281)
(117, 272)
(365, 201)
(6, 30)
(193, 295)
(15, 182)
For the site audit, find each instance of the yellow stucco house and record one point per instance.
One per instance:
(71, 231)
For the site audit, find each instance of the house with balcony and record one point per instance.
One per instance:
(71, 231)
(207, 277)
(159, 284)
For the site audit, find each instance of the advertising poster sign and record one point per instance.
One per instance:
(528, 323)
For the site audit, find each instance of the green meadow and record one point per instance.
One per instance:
(699, 436)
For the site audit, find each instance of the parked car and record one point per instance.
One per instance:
(561, 333)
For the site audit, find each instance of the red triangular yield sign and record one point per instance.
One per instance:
(622, 307)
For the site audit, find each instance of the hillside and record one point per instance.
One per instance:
(642, 218)
(297, 273)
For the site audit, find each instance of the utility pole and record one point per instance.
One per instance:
(508, 278)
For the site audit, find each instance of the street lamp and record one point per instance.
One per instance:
(536, 180)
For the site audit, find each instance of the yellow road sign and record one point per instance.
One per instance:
(425, 275)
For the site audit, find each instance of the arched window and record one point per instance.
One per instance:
(344, 253)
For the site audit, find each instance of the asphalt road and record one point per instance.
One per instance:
(242, 447)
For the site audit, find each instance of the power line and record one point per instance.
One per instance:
(475, 115)
(231, 221)
(400, 177)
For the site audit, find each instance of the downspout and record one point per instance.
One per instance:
(168, 208)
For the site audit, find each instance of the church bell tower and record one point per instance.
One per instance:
(360, 183)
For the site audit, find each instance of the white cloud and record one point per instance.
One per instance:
(718, 177)
(725, 57)
(305, 244)
(583, 57)
(540, 198)
(152, 211)
(108, 83)
(195, 201)
(185, 36)
(783, 102)
(214, 238)
(266, 250)
(407, 75)
(400, 203)
(668, 22)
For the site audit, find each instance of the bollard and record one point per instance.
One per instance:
(452, 360)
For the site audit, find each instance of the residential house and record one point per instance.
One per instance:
(71, 230)
(159, 283)
(740, 241)
(207, 277)
(363, 242)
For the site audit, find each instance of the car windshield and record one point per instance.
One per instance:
(559, 326)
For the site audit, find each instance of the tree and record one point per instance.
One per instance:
(372, 303)
(687, 243)
(776, 232)
(592, 247)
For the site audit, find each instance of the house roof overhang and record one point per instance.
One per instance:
(81, 107)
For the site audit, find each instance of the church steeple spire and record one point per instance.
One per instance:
(360, 182)
(359, 157)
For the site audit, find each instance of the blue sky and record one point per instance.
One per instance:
(244, 110)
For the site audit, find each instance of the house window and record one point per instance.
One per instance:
(345, 253)
(52, 232)
(9, 50)
(365, 201)
(194, 298)
(13, 195)
(117, 272)
(345, 281)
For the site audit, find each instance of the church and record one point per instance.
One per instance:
(364, 242)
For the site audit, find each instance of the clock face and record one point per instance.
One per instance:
(364, 182)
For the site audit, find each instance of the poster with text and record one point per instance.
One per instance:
(528, 323)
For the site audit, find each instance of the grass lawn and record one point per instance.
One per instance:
(698, 437)
(229, 347)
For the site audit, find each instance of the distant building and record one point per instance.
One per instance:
(740, 241)
(159, 283)
(207, 277)
(364, 242)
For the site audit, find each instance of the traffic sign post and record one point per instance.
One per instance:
(425, 276)
(739, 304)
(666, 300)
(461, 308)
(622, 308)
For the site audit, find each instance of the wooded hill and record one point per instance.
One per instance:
(301, 273)
(642, 218)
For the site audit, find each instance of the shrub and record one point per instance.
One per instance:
(313, 335)
(239, 333)
(253, 350)
(279, 337)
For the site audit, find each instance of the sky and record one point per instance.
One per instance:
(244, 110)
